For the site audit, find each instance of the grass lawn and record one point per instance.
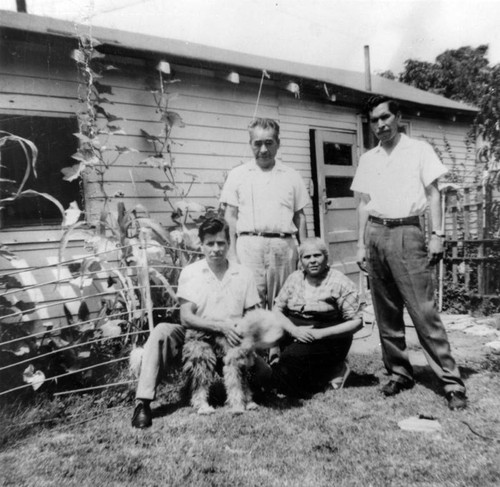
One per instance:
(348, 437)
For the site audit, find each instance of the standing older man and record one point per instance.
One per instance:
(396, 180)
(265, 203)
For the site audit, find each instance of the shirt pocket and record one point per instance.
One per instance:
(285, 197)
(244, 193)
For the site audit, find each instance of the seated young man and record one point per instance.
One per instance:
(213, 293)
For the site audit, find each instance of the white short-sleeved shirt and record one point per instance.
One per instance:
(214, 299)
(266, 200)
(396, 183)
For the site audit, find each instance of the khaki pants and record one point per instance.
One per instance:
(271, 260)
(162, 351)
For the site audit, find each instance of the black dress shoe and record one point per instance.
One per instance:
(394, 387)
(456, 400)
(142, 417)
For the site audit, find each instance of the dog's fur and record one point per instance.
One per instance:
(259, 329)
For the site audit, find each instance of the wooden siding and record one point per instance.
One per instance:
(438, 133)
(459, 159)
(42, 80)
(213, 141)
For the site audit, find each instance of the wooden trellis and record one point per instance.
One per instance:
(469, 253)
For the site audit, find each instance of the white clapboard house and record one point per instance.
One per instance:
(320, 110)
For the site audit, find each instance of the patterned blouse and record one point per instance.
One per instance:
(336, 296)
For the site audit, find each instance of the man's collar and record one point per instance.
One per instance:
(278, 165)
(231, 267)
(403, 141)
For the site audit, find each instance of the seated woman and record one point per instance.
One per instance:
(322, 307)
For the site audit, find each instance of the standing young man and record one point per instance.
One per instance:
(213, 294)
(265, 203)
(396, 181)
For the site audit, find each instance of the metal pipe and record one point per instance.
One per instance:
(368, 75)
(21, 6)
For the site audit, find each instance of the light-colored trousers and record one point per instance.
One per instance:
(162, 351)
(272, 260)
(400, 275)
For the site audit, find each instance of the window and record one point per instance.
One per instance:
(336, 154)
(54, 139)
(338, 187)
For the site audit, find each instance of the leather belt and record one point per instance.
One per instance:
(395, 222)
(266, 234)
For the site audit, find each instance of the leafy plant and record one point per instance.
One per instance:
(133, 265)
(465, 74)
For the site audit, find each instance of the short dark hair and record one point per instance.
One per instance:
(212, 226)
(265, 123)
(376, 100)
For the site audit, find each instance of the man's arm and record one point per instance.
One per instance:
(299, 220)
(231, 216)
(362, 221)
(436, 240)
(189, 319)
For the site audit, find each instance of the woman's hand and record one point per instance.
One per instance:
(303, 334)
(231, 335)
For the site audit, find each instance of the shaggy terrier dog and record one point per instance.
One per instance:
(260, 329)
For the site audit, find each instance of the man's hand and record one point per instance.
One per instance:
(303, 334)
(435, 249)
(231, 335)
(361, 258)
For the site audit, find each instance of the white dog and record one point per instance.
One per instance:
(259, 329)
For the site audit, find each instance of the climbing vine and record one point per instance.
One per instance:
(96, 123)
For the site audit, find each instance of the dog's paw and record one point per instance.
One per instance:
(251, 406)
(237, 410)
(206, 410)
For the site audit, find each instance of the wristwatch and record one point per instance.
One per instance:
(440, 235)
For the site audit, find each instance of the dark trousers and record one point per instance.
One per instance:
(307, 368)
(400, 275)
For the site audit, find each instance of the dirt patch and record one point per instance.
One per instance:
(472, 339)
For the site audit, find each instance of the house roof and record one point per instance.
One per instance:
(350, 80)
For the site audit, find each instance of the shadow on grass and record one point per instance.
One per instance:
(167, 409)
(425, 376)
(467, 372)
(362, 380)
(175, 399)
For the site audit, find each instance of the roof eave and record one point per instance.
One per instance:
(184, 52)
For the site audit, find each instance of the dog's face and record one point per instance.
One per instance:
(261, 327)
